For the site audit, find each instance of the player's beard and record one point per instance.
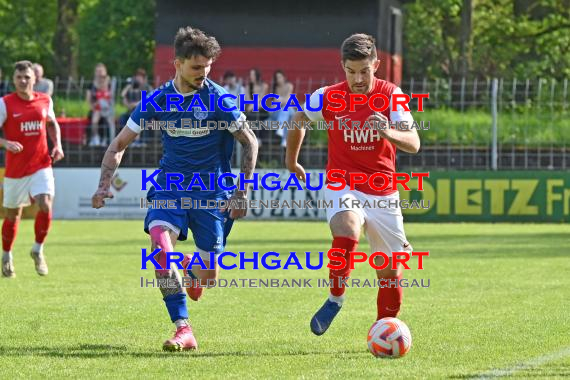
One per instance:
(193, 85)
(365, 89)
(24, 90)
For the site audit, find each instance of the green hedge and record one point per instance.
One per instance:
(474, 127)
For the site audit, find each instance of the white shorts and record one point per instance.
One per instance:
(17, 191)
(384, 227)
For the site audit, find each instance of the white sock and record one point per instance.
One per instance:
(9, 253)
(37, 247)
(180, 323)
(339, 300)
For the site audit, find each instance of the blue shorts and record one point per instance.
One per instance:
(210, 227)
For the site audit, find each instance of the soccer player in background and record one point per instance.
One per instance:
(372, 151)
(25, 118)
(187, 151)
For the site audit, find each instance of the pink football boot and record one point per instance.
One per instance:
(182, 340)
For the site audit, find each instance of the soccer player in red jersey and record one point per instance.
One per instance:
(356, 148)
(24, 117)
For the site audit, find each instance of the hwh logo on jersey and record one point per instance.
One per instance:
(361, 136)
(29, 126)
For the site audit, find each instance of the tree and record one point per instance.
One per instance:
(465, 38)
(431, 38)
(117, 33)
(65, 38)
(69, 36)
(27, 28)
(525, 38)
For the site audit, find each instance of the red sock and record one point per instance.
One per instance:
(41, 226)
(389, 298)
(348, 245)
(9, 230)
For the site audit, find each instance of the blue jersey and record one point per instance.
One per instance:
(191, 144)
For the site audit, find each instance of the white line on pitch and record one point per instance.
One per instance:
(536, 362)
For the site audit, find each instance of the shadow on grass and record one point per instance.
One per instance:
(84, 351)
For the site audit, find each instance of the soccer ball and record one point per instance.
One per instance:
(389, 338)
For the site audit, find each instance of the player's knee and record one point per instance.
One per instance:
(45, 206)
(14, 218)
(13, 215)
(388, 272)
(346, 224)
(44, 203)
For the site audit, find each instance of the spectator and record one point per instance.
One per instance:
(283, 89)
(233, 86)
(44, 85)
(3, 85)
(100, 100)
(256, 86)
(131, 96)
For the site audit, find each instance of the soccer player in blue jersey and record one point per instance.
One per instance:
(187, 151)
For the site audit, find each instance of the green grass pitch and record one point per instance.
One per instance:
(499, 296)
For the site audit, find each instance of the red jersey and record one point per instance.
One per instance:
(352, 147)
(102, 100)
(24, 121)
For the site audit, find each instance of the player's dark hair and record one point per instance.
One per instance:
(358, 46)
(229, 74)
(275, 79)
(190, 42)
(23, 65)
(257, 74)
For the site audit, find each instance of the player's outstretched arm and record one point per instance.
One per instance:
(110, 163)
(249, 144)
(406, 140)
(295, 138)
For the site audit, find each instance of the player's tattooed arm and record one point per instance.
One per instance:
(110, 163)
(249, 144)
(248, 141)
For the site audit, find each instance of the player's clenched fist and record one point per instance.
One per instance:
(13, 146)
(57, 153)
(238, 205)
(379, 122)
(98, 199)
(298, 170)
